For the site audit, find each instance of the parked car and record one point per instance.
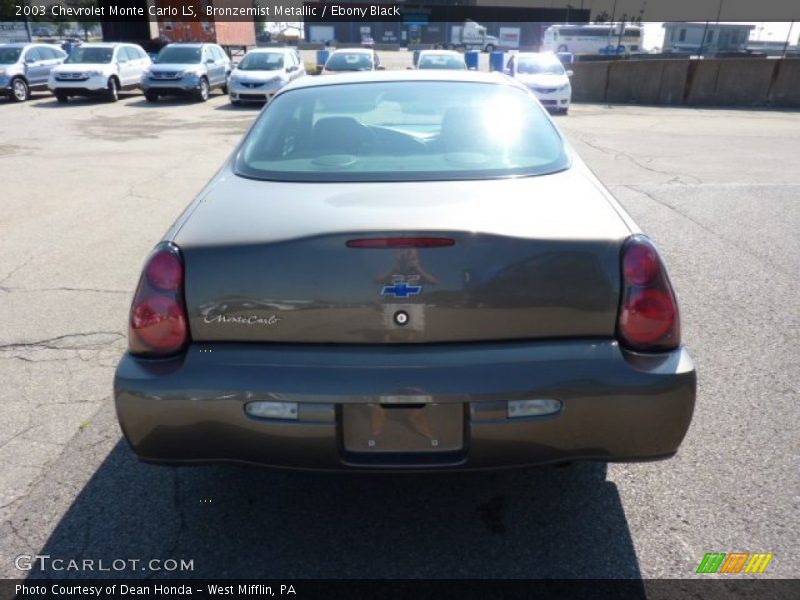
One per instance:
(188, 69)
(262, 72)
(404, 270)
(441, 59)
(544, 74)
(26, 67)
(343, 60)
(99, 70)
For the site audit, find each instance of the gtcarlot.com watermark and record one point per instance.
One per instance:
(46, 562)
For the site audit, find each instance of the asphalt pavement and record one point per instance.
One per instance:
(89, 187)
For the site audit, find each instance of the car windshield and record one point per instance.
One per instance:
(262, 61)
(8, 56)
(401, 131)
(179, 54)
(349, 62)
(441, 62)
(82, 54)
(537, 66)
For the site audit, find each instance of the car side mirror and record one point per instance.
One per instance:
(381, 68)
(291, 68)
(209, 61)
(570, 73)
(29, 61)
(409, 68)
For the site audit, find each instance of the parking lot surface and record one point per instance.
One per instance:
(89, 187)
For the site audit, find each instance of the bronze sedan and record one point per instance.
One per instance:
(404, 270)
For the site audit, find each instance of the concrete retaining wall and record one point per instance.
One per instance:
(709, 82)
(589, 81)
(786, 87)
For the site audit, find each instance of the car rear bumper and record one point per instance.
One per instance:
(616, 406)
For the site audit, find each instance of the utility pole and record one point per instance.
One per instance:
(788, 35)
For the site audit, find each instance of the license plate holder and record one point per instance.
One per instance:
(403, 428)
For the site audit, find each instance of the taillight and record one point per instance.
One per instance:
(648, 313)
(158, 322)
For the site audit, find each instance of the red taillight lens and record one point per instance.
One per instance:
(640, 264)
(165, 271)
(648, 315)
(158, 322)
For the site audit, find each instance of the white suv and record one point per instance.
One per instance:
(99, 70)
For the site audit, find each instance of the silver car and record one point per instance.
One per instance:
(26, 67)
(187, 69)
(404, 270)
(262, 72)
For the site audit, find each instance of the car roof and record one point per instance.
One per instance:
(404, 76)
(104, 44)
(440, 52)
(17, 44)
(268, 49)
(353, 50)
(188, 44)
(539, 55)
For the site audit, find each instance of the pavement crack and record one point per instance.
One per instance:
(61, 342)
(66, 289)
(11, 273)
(18, 535)
(675, 177)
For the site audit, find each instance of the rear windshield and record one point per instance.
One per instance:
(441, 62)
(262, 61)
(349, 62)
(95, 56)
(179, 54)
(8, 56)
(401, 131)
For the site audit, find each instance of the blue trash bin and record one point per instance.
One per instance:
(472, 58)
(322, 57)
(415, 58)
(496, 61)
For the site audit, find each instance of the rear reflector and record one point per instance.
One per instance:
(533, 408)
(272, 410)
(401, 242)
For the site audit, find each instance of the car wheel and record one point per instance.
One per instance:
(203, 90)
(151, 96)
(235, 102)
(450, 47)
(20, 90)
(489, 48)
(62, 97)
(562, 48)
(224, 89)
(112, 95)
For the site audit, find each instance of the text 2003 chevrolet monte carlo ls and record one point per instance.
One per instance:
(404, 270)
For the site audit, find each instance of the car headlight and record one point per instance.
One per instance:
(190, 73)
(94, 73)
(2, 72)
(564, 88)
